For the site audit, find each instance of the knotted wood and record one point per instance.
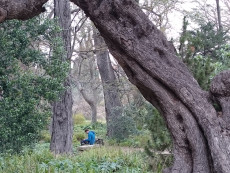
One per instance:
(20, 9)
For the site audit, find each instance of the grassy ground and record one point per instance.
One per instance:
(127, 156)
(98, 160)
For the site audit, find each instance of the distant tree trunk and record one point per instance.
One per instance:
(94, 113)
(200, 138)
(85, 74)
(219, 15)
(113, 107)
(92, 103)
(62, 123)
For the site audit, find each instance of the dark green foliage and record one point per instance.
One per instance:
(147, 117)
(203, 69)
(199, 50)
(138, 113)
(125, 126)
(224, 57)
(160, 141)
(29, 79)
(205, 41)
(160, 136)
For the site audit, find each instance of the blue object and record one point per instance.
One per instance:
(91, 138)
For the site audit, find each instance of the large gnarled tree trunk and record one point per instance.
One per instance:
(201, 138)
(113, 107)
(62, 123)
(149, 60)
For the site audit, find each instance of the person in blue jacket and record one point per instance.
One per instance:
(91, 138)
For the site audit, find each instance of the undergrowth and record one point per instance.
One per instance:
(97, 160)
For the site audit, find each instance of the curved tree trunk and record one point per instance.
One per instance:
(62, 123)
(150, 63)
(92, 103)
(11, 9)
(113, 107)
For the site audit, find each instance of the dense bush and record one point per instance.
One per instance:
(161, 139)
(78, 119)
(138, 113)
(148, 118)
(125, 126)
(29, 79)
(80, 136)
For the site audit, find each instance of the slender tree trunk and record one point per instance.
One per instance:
(62, 123)
(113, 107)
(94, 113)
(218, 15)
(200, 139)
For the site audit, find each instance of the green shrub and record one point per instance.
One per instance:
(79, 118)
(161, 139)
(79, 136)
(125, 126)
(26, 94)
(45, 136)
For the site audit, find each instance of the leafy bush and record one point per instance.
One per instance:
(80, 136)
(45, 136)
(125, 126)
(161, 139)
(29, 80)
(79, 119)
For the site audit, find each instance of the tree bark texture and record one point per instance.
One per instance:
(62, 123)
(113, 106)
(11, 9)
(150, 62)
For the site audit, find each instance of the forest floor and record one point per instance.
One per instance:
(127, 156)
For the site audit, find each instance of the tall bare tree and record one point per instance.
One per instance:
(62, 123)
(113, 106)
(85, 72)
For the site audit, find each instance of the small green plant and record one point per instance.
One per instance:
(79, 118)
(45, 136)
(80, 136)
